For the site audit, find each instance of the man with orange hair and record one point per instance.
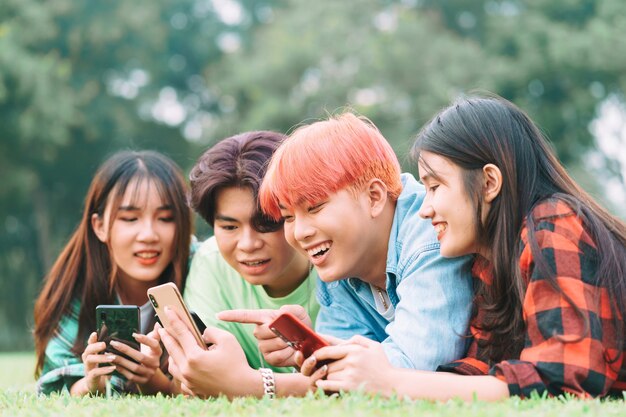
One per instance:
(337, 185)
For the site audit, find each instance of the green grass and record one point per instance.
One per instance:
(17, 371)
(27, 404)
(18, 399)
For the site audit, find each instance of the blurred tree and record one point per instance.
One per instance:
(79, 80)
(399, 61)
(392, 62)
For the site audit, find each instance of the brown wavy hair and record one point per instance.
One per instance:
(237, 161)
(84, 270)
(477, 131)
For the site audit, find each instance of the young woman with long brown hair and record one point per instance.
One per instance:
(134, 233)
(549, 270)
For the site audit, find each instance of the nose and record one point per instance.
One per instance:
(148, 233)
(249, 240)
(302, 228)
(426, 211)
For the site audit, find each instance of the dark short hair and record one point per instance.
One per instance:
(237, 161)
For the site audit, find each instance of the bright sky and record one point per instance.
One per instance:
(610, 132)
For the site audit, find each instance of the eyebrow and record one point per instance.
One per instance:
(135, 208)
(225, 218)
(425, 177)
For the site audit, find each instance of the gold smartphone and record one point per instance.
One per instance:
(168, 295)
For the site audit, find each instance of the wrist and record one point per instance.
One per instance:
(157, 383)
(248, 383)
(269, 382)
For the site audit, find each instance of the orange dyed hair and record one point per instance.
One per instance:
(319, 159)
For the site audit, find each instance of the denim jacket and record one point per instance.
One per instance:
(432, 295)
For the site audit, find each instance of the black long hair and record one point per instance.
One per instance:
(477, 131)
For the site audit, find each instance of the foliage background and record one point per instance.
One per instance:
(79, 80)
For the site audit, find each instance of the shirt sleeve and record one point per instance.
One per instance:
(61, 368)
(203, 294)
(435, 300)
(339, 314)
(556, 358)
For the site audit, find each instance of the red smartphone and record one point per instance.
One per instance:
(297, 335)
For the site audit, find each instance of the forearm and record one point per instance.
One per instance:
(292, 385)
(443, 386)
(443, 312)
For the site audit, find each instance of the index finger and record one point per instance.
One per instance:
(150, 340)
(179, 331)
(260, 316)
(333, 352)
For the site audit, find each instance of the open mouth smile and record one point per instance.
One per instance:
(319, 250)
(440, 229)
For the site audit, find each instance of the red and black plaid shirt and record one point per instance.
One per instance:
(591, 366)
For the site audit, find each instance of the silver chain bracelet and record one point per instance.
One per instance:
(269, 385)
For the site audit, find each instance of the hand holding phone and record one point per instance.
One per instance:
(117, 322)
(269, 343)
(168, 295)
(297, 335)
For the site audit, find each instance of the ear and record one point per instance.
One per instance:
(97, 224)
(492, 182)
(377, 196)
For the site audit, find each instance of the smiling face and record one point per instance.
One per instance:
(334, 234)
(140, 235)
(448, 205)
(260, 258)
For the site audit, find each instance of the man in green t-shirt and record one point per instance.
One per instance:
(247, 264)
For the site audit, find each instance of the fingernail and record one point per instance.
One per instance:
(312, 359)
(110, 357)
(115, 343)
(325, 369)
(135, 334)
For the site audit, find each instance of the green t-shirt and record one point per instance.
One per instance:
(213, 286)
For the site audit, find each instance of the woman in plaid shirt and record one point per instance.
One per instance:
(550, 268)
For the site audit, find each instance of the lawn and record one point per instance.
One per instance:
(17, 371)
(18, 399)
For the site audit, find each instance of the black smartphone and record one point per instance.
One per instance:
(196, 319)
(116, 322)
(199, 323)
